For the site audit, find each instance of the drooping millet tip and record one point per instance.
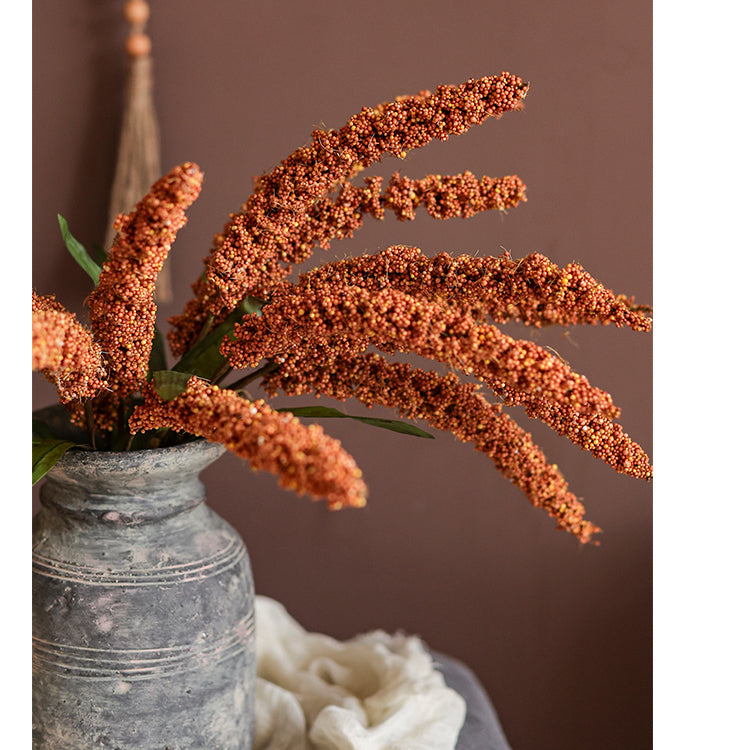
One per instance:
(302, 457)
(65, 351)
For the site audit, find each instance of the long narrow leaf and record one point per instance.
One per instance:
(387, 424)
(170, 384)
(158, 357)
(40, 430)
(99, 253)
(45, 454)
(78, 251)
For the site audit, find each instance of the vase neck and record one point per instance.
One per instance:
(130, 487)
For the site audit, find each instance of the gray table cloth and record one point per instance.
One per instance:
(481, 729)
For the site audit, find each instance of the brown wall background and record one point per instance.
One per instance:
(559, 635)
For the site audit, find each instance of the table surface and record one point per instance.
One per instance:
(481, 729)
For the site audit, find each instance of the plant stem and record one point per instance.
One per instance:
(207, 326)
(221, 373)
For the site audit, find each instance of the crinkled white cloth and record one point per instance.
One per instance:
(373, 692)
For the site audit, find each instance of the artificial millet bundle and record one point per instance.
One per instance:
(327, 369)
(311, 172)
(595, 433)
(337, 218)
(447, 197)
(303, 458)
(122, 307)
(398, 322)
(65, 351)
(314, 333)
(442, 196)
(532, 290)
(249, 256)
(443, 402)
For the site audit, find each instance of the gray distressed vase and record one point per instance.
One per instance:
(143, 619)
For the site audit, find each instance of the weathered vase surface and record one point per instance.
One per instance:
(143, 620)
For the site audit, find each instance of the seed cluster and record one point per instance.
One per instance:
(65, 351)
(445, 403)
(532, 290)
(122, 307)
(395, 321)
(249, 256)
(595, 433)
(303, 458)
(443, 197)
(315, 334)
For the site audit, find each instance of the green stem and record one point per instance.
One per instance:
(221, 373)
(207, 326)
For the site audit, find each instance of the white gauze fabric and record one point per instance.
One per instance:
(373, 692)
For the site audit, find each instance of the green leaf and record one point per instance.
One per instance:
(158, 357)
(78, 251)
(204, 359)
(387, 424)
(45, 453)
(100, 254)
(170, 384)
(40, 429)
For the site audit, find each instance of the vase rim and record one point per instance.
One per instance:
(70, 431)
(197, 445)
(126, 486)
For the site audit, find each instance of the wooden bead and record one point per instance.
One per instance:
(138, 45)
(136, 12)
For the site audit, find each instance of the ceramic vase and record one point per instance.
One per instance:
(143, 619)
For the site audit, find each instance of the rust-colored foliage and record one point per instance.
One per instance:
(316, 335)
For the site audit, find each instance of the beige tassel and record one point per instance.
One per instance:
(138, 159)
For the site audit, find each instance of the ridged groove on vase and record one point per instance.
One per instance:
(107, 509)
(138, 664)
(204, 568)
(143, 637)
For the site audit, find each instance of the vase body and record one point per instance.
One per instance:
(143, 618)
